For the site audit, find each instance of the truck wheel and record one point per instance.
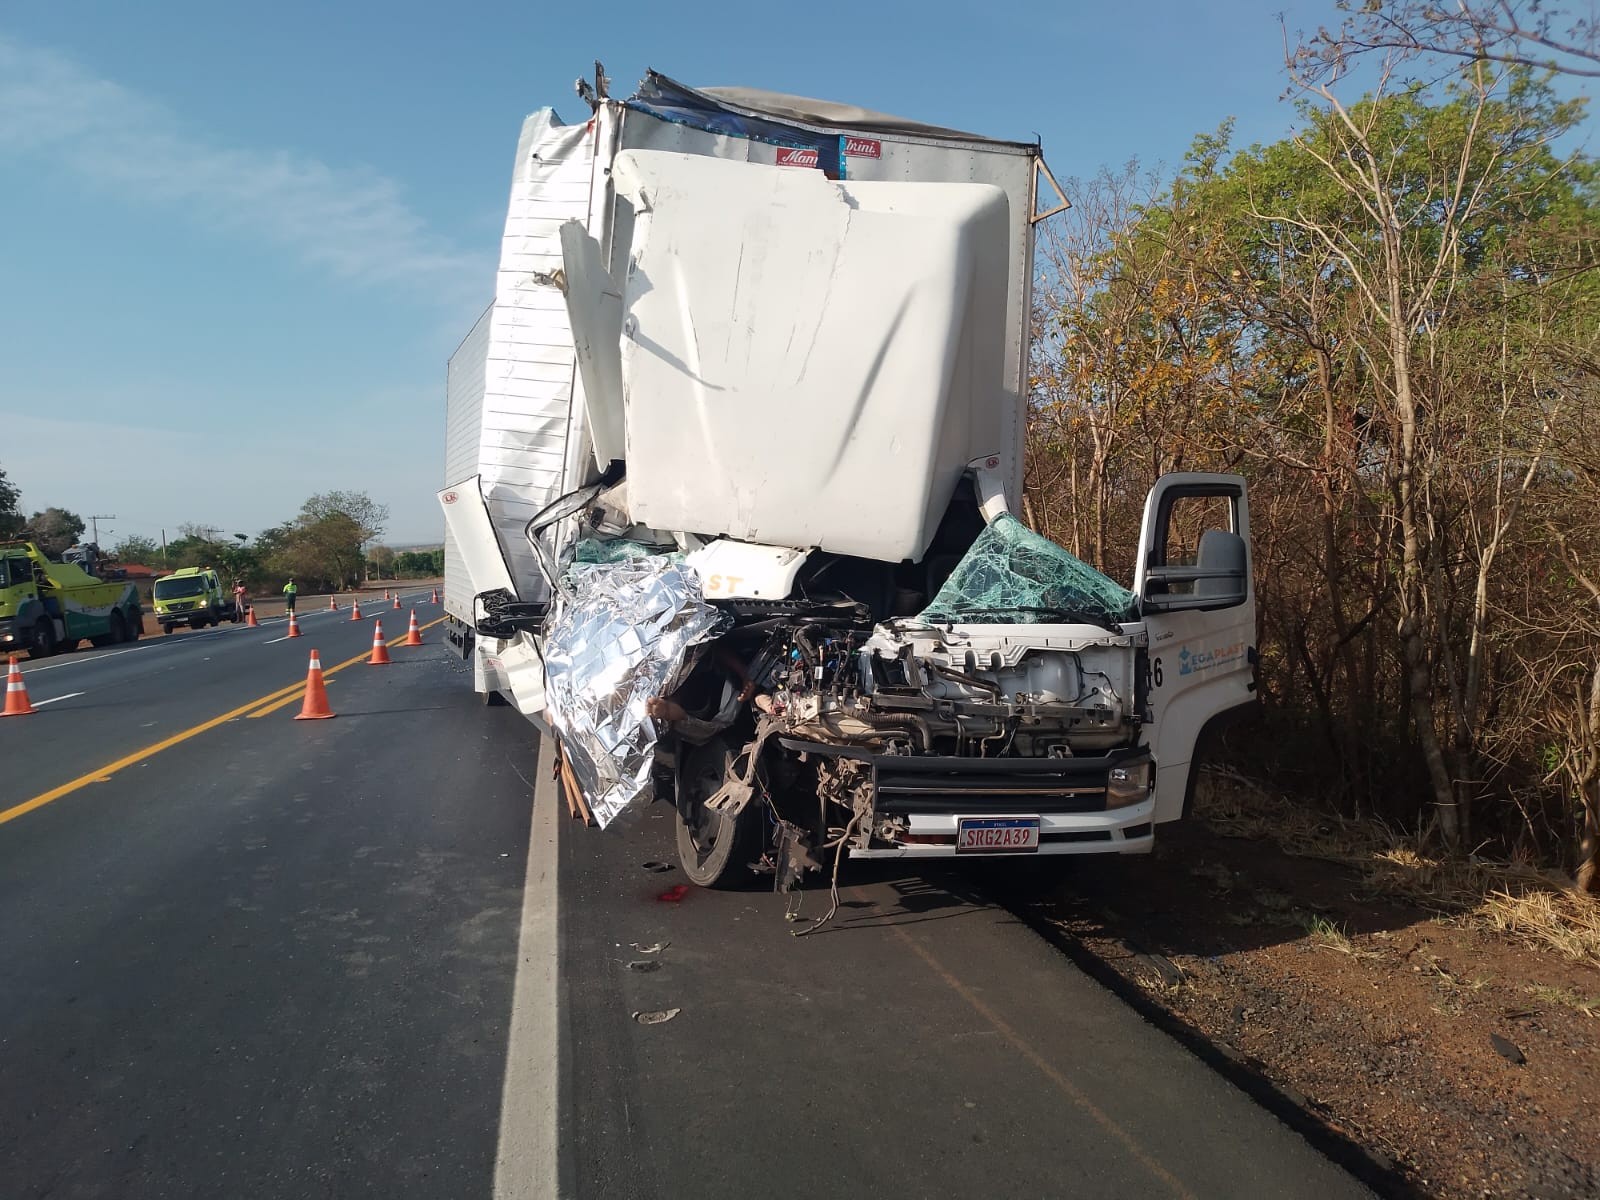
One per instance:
(136, 627)
(42, 642)
(491, 699)
(715, 849)
(166, 628)
(119, 628)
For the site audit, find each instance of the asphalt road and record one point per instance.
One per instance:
(248, 956)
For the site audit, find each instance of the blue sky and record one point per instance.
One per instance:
(238, 243)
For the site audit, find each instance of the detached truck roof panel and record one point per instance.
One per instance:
(802, 358)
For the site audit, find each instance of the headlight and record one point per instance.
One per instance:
(1128, 785)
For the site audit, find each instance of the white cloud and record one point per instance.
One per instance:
(353, 223)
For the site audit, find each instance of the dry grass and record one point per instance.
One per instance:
(1326, 934)
(1538, 908)
(1565, 998)
(1562, 921)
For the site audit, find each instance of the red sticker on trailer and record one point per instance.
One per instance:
(797, 156)
(863, 148)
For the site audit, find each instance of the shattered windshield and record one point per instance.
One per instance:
(1013, 576)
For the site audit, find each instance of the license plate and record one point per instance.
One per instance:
(996, 835)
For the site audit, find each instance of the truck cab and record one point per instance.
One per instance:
(195, 597)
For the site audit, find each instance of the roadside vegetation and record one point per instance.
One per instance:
(1389, 323)
(329, 544)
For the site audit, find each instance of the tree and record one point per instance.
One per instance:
(1431, 191)
(135, 549)
(1534, 34)
(381, 561)
(53, 530)
(367, 517)
(419, 564)
(10, 514)
(1390, 324)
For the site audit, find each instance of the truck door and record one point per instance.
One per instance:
(1197, 596)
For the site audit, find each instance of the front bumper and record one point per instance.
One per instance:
(918, 802)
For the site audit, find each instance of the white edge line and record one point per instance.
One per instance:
(53, 699)
(526, 1165)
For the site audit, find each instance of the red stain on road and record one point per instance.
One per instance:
(673, 894)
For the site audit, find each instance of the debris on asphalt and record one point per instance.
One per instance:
(656, 866)
(657, 1017)
(652, 948)
(645, 964)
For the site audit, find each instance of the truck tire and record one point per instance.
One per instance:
(42, 641)
(166, 628)
(491, 699)
(119, 628)
(136, 626)
(715, 849)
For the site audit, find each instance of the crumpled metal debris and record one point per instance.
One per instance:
(622, 637)
(657, 1017)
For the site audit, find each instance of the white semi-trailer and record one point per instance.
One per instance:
(772, 352)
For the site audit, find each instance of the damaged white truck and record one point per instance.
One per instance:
(731, 466)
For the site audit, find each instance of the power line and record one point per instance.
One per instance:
(95, 521)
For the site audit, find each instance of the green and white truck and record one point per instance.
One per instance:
(47, 607)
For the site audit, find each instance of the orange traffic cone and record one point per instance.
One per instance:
(435, 599)
(333, 604)
(385, 593)
(294, 629)
(413, 635)
(397, 600)
(250, 618)
(315, 706)
(16, 693)
(380, 652)
(355, 610)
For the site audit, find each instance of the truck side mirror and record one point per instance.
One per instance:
(1217, 580)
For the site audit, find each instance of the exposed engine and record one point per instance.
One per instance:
(921, 690)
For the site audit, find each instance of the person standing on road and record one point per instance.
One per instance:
(240, 601)
(289, 593)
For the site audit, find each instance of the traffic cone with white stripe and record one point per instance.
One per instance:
(333, 604)
(435, 599)
(397, 600)
(385, 593)
(294, 629)
(355, 610)
(414, 634)
(250, 618)
(16, 693)
(380, 652)
(315, 706)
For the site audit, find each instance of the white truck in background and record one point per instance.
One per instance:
(786, 341)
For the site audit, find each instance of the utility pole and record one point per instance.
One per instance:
(95, 521)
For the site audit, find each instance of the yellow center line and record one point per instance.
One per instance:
(275, 705)
(102, 774)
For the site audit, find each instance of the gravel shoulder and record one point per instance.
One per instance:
(1459, 1056)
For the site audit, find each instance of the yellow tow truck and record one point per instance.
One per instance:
(47, 607)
